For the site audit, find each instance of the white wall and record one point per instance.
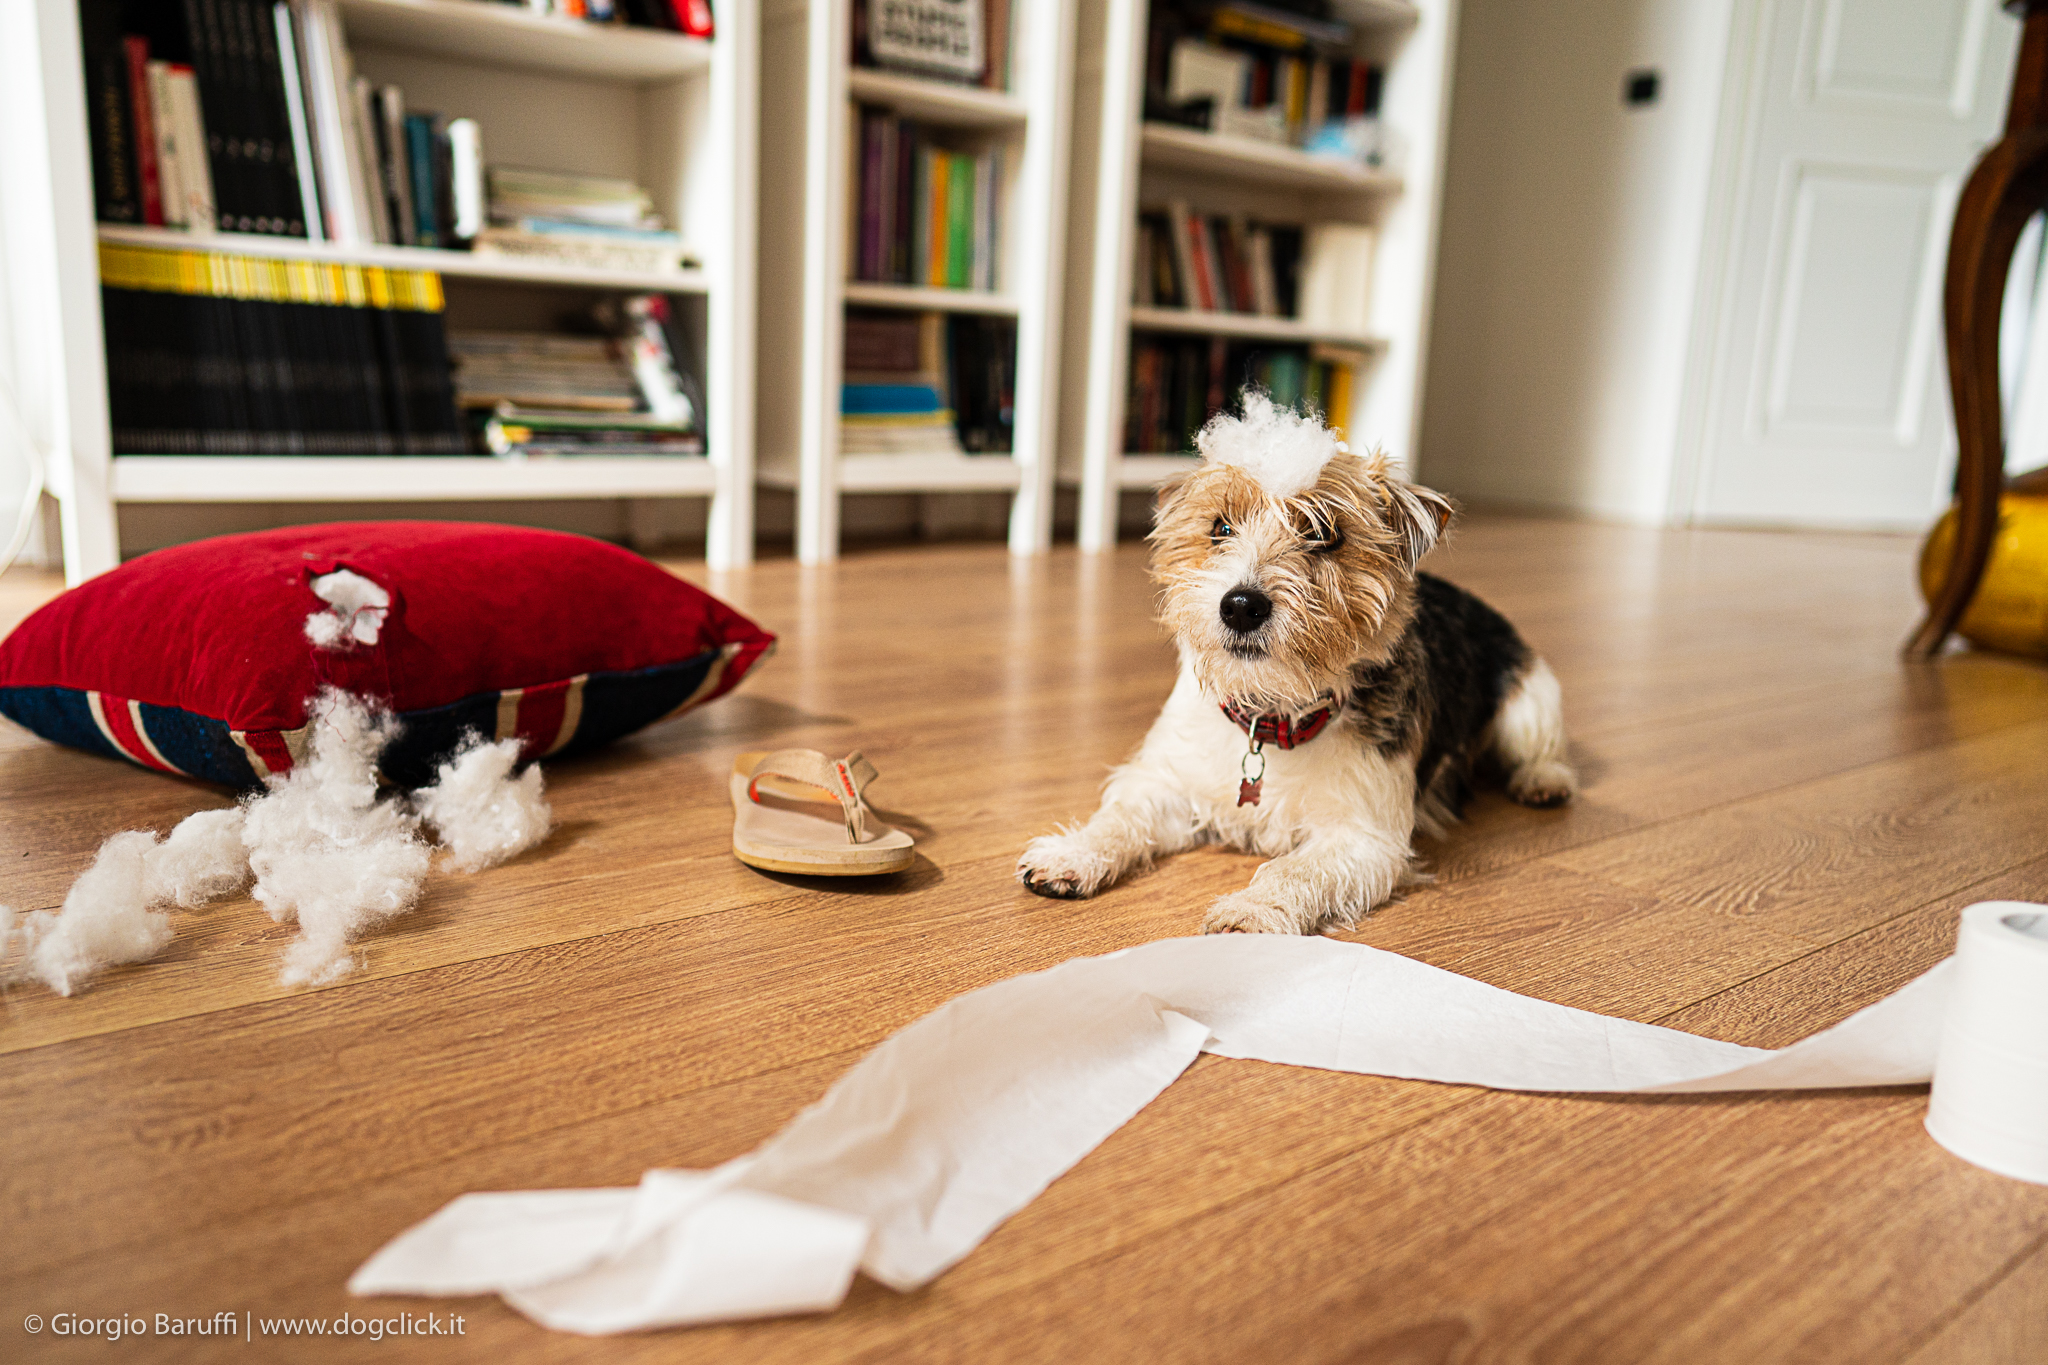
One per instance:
(1569, 251)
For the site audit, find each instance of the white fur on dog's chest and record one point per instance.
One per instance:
(1332, 780)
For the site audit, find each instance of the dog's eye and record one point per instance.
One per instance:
(1319, 538)
(1220, 530)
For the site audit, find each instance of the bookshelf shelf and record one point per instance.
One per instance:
(517, 39)
(1149, 471)
(1390, 12)
(926, 298)
(678, 116)
(1264, 163)
(963, 106)
(1122, 161)
(1249, 325)
(917, 474)
(412, 258)
(810, 176)
(259, 478)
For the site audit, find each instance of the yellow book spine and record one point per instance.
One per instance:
(234, 275)
(1339, 414)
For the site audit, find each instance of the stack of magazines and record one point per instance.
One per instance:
(579, 219)
(616, 391)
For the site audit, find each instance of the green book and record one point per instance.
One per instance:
(960, 222)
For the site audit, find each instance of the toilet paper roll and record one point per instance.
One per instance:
(960, 1119)
(1990, 1102)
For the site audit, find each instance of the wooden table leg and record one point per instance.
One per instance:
(2008, 186)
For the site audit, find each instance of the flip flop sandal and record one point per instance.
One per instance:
(797, 811)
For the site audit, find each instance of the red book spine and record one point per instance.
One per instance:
(1242, 299)
(1198, 244)
(1354, 100)
(145, 130)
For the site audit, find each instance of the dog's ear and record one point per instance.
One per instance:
(1418, 515)
(1167, 500)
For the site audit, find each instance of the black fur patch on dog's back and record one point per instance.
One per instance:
(1442, 686)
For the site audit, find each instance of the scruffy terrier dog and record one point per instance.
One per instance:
(1331, 699)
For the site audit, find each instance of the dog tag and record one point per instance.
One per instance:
(1248, 780)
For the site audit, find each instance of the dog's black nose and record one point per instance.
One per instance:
(1246, 609)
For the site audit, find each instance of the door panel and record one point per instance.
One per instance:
(1917, 53)
(1827, 403)
(1854, 300)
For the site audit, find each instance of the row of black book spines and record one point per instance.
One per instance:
(1176, 384)
(240, 72)
(238, 376)
(981, 377)
(227, 367)
(234, 57)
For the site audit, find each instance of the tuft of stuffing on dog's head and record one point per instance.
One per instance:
(1281, 450)
(1323, 539)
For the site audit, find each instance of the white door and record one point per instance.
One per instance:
(1827, 398)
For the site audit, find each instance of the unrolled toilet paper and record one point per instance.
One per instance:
(957, 1121)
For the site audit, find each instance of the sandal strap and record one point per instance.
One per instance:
(846, 778)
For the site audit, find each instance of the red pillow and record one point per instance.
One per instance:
(197, 659)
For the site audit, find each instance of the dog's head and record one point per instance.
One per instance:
(1285, 559)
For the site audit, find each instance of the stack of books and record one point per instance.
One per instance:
(543, 370)
(589, 220)
(618, 392)
(966, 42)
(1178, 383)
(928, 384)
(513, 432)
(1277, 74)
(210, 353)
(923, 214)
(1216, 262)
(894, 400)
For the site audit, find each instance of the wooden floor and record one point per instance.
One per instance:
(1780, 825)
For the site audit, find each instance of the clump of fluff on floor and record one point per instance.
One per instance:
(481, 813)
(203, 859)
(1280, 448)
(115, 911)
(329, 852)
(355, 610)
(329, 849)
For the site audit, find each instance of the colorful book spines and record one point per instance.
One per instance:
(922, 214)
(1177, 383)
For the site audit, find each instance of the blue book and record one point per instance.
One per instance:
(888, 400)
(426, 191)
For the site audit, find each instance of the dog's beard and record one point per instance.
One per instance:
(1255, 670)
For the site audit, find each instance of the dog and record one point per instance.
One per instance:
(1331, 699)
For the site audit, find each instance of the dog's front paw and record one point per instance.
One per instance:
(1543, 785)
(1248, 912)
(1064, 867)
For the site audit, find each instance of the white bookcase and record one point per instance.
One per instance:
(678, 114)
(1122, 163)
(811, 94)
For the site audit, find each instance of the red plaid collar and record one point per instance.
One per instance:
(1282, 731)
